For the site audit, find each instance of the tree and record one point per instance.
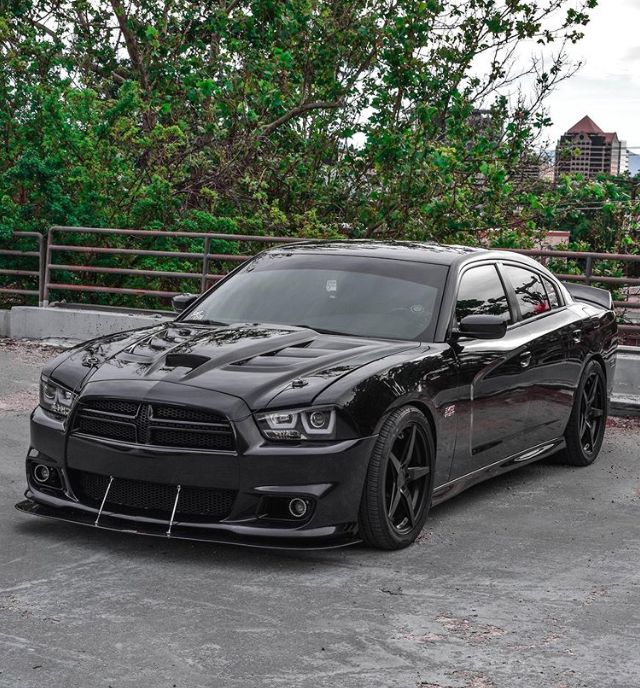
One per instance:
(382, 118)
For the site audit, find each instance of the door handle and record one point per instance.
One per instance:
(525, 359)
(576, 336)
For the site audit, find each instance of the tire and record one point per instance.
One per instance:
(585, 430)
(399, 483)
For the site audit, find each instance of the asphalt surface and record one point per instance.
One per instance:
(532, 579)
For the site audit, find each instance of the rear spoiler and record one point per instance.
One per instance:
(591, 295)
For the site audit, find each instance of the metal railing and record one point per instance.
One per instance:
(50, 263)
(205, 257)
(590, 277)
(25, 275)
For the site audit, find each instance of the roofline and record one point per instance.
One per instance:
(475, 254)
(352, 245)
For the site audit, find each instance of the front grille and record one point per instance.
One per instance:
(152, 498)
(101, 427)
(115, 406)
(186, 414)
(162, 425)
(171, 437)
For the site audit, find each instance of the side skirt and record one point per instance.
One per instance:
(455, 487)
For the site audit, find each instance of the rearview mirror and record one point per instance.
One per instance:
(482, 327)
(181, 302)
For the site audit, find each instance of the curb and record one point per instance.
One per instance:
(29, 322)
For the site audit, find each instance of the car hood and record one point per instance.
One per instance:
(261, 364)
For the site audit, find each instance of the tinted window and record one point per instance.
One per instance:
(361, 296)
(481, 293)
(531, 295)
(552, 293)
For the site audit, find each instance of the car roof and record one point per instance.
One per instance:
(424, 252)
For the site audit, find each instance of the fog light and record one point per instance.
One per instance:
(45, 476)
(298, 507)
(42, 473)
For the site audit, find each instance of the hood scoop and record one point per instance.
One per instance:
(292, 357)
(184, 360)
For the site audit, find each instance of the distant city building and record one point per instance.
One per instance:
(534, 165)
(585, 148)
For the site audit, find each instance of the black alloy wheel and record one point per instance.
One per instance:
(585, 430)
(591, 412)
(399, 482)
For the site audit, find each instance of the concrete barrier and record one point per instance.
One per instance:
(625, 399)
(29, 322)
(5, 319)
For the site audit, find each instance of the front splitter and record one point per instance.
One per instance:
(180, 532)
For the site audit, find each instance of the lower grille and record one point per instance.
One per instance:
(153, 498)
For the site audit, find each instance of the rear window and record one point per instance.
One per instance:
(529, 291)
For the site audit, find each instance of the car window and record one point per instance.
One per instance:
(529, 291)
(481, 293)
(552, 293)
(343, 294)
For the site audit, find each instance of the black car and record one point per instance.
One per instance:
(324, 394)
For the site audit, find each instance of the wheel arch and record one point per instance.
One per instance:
(599, 358)
(428, 414)
(426, 411)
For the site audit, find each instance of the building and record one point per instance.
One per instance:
(586, 149)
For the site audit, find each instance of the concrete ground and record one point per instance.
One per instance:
(532, 579)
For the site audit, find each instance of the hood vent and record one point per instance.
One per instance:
(183, 360)
(293, 356)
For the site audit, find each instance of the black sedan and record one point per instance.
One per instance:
(324, 394)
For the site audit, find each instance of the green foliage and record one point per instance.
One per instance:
(601, 214)
(318, 118)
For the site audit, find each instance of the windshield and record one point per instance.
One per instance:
(351, 295)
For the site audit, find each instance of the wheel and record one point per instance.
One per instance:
(585, 430)
(399, 482)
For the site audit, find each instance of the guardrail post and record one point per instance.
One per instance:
(205, 264)
(47, 270)
(42, 260)
(588, 269)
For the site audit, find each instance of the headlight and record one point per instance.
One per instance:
(299, 424)
(55, 398)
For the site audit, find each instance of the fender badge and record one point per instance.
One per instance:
(449, 411)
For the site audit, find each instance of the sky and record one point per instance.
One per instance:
(607, 87)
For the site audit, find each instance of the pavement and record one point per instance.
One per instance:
(531, 579)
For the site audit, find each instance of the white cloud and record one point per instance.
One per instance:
(608, 86)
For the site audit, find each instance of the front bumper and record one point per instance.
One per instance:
(228, 534)
(329, 476)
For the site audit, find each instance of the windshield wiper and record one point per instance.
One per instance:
(203, 322)
(321, 330)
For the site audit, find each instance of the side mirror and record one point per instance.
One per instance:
(181, 302)
(482, 327)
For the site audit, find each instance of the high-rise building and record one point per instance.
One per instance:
(585, 148)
